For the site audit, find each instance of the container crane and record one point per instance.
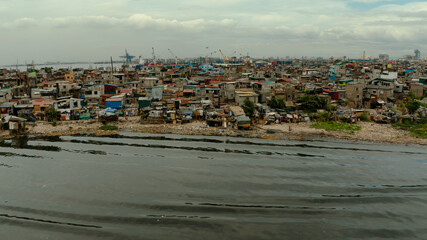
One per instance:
(128, 58)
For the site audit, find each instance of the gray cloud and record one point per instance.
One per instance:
(95, 30)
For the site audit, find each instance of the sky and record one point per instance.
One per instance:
(94, 30)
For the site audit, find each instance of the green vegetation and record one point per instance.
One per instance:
(277, 103)
(48, 69)
(52, 115)
(145, 115)
(108, 127)
(323, 116)
(416, 130)
(365, 117)
(311, 103)
(413, 106)
(54, 123)
(331, 108)
(249, 107)
(337, 126)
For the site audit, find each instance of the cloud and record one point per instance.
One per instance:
(373, 1)
(20, 23)
(139, 21)
(287, 27)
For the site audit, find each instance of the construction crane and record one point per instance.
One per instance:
(173, 56)
(226, 59)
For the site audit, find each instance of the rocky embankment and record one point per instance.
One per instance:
(371, 132)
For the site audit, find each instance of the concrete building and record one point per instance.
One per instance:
(380, 89)
(264, 90)
(240, 97)
(93, 94)
(226, 92)
(354, 93)
(418, 89)
(149, 82)
(69, 76)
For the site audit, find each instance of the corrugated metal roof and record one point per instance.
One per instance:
(114, 100)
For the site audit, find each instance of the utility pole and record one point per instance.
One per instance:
(112, 67)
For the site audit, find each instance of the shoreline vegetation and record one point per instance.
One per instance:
(361, 131)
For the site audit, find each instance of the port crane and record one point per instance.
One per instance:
(127, 57)
(226, 59)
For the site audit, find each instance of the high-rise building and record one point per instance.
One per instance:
(384, 57)
(417, 55)
(408, 57)
(366, 57)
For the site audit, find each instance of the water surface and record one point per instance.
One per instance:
(147, 186)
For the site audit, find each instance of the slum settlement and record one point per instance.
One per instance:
(230, 93)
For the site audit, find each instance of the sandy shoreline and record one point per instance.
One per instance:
(371, 132)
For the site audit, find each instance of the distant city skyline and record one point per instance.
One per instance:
(94, 30)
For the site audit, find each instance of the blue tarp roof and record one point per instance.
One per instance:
(111, 110)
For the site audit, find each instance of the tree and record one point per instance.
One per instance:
(52, 114)
(48, 69)
(311, 103)
(277, 103)
(413, 106)
(249, 107)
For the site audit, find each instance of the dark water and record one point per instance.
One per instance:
(141, 186)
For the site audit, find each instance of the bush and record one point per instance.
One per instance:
(323, 116)
(365, 117)
(331, 108)
(419, 132)
(108, 127)
(54, 123)
(416, 130)
(337, 126)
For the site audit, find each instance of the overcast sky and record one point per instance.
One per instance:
(94, 30)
